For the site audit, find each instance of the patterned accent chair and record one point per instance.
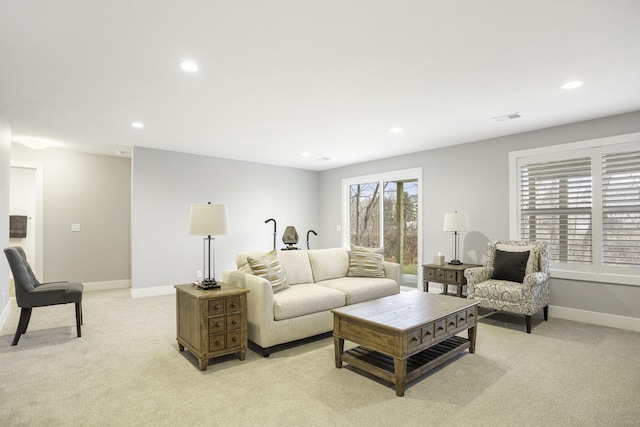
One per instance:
(489, 285)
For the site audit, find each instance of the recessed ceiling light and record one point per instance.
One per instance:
(396, 130)
(33, 143)
(137, 125)
(306, 154)
(572, 85)
(192, 67)
(506, 117)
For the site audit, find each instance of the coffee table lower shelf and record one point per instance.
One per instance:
(382, 365)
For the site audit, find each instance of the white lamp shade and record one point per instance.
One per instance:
(455, 221)
(208, 220)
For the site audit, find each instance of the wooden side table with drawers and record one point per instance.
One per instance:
(447, 274)
(211, 322)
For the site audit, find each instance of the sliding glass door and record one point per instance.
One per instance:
(385, 212)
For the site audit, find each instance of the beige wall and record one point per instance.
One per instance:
(166, 183)
(95, 192)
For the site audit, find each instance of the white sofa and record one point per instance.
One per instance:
(318, 282)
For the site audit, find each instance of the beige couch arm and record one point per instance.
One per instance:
(392, 271)
(259, 299)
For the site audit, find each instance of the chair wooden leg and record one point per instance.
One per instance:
(25, 316)
(528, 321)
(545, 311)
(79, 318)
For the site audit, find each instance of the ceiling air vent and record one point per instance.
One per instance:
(507, 117)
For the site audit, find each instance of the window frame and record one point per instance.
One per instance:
(398, 175)
(597, 271)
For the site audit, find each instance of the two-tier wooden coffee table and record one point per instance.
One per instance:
(405, 335)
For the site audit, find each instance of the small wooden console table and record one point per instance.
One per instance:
(447, 274)
(212, 322)
(405, 335)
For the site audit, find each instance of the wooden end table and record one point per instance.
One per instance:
(405, 335)
(211, 322)
(447, 274)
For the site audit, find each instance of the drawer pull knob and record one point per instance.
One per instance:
(414, 339)
(428, 333)
(452, 324)
(440, 328)
(462, 319)
(217, 324)
(217, 342)
(234, 304)
(234, 322)
(216, 307)
(234, 339)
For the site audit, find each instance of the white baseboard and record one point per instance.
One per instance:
(4, 316)
(103, 286)
(152, 292)
(595, 318)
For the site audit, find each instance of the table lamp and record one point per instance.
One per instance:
(208, 220)
(455, 222)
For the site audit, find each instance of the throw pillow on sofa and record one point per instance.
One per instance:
(268, 266)
(366, 262)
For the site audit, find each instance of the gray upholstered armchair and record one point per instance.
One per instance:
(515, 279)
(31, 293)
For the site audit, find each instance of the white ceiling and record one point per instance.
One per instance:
(327, 77)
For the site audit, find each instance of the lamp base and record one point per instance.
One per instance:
(208, 284)
(455, 262)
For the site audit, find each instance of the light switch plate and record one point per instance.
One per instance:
(75, 227)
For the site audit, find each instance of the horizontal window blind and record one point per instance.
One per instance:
(555, 206)
(621, 209)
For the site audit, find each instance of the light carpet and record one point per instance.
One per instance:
(126, 370)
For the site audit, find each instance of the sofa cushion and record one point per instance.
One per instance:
(365, 262)
(241, 258)
(306, 298)
(360, 289)
(268, 266)
(296, 266)
(510, 266)
(329, 263)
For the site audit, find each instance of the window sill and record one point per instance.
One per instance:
(616, 279)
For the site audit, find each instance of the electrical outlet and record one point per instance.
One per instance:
(199, 274)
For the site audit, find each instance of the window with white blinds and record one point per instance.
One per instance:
(621, 209)
(555, 206)
(584, 199)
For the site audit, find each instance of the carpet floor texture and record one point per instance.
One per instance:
(126, 370)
